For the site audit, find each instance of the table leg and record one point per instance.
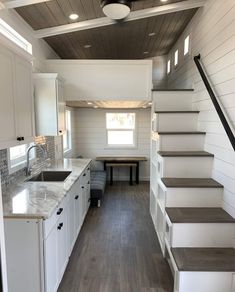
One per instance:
(111, 175)
(131, 181)
(105, 166)
(137, 173)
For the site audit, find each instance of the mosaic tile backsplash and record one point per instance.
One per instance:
(7, 178)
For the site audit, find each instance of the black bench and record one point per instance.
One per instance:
(98, 183)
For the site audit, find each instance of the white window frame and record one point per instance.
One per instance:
(20, 162)
(176, 58)
(68, 134)
(189, 41)
(15, 37)
(118, 146)
(168, 69)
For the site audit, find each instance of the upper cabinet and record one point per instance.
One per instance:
(16, 97)
(49, 105)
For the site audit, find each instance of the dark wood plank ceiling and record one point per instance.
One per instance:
(126, 40)
(56, 12)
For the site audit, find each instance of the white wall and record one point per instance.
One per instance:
(159, 72)
(104, 79)
(90, 139)
(41, 50)
(213, 35)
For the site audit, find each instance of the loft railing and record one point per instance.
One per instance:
(228, 127)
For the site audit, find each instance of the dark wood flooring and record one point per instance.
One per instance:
(117, 249)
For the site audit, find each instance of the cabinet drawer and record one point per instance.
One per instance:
(50, 222)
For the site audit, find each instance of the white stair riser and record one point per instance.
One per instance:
(202, 235)
(181, 142)
(187, 167)
(194, 197)
(176, 122)
(205, 282)
(173, 101)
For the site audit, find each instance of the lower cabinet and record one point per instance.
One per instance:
(37, 251)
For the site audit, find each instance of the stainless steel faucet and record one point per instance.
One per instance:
(28, 169)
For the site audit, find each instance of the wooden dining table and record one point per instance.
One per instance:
(116, 161)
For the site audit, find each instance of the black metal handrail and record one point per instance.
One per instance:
(219, 110)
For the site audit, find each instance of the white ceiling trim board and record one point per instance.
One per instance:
(19, 3)
(104, 21)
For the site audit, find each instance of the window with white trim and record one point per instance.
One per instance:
(17, 156)
(121, 129)
(169, 67)
(14, 36)
(186, 45)
(67, 137)
(176, 58)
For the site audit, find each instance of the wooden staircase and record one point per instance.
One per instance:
(196, 234)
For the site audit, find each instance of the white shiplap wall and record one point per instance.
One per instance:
(212, 32)
(89, 131)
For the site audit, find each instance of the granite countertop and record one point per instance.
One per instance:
(40, 199)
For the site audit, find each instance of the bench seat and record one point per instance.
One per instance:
(98, 183)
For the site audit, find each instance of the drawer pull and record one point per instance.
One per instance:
(76, 198)
(59, 211)
(84, 174)
(60, 226)
(82, 187)
(88, 183)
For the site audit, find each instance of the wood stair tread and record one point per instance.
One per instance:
(204, 259)
(185, 154)
(191, 183)
(177, 112)
(199, 215)
(181, 133)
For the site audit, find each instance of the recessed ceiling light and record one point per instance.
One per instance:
(144, 106)
(150, 103)
(89, 103)
(151, 34)
(164, 0)
(87, 46)
(145, 53)
(95, 106)
(73, 16)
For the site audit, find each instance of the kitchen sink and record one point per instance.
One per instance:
(50, 176)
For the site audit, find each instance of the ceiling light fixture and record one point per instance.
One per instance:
(151, 34)
(145, 53)
(116, 9)
(89, 103)
(164, 1)
(87, 46)
(73, 16)
(95, 106)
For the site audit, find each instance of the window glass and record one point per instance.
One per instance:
(17, 156)
(176, 57)
(14, 36)
(169, 67)
(67, 136)
(120, 129)
(186, 45)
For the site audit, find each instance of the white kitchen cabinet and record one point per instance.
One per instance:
(49, 104)
(44, 246)
(16, 98)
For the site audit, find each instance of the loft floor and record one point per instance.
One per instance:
(117, 249)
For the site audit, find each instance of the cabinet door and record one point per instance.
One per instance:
(71, 223)
(62, 257)
(24, 99)
(60, 108)
(50, 260)
(7, 108)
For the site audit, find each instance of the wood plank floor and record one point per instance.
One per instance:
(117, 249)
